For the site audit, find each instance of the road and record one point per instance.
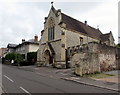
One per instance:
(15, 80)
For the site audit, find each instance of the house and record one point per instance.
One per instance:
(11, 48)
(3, 52)
(62, 31)
(31, 45)
(23, 48)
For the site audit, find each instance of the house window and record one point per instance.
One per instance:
(51, 33)
(81, 40)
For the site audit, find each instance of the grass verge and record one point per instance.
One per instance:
(98, 75)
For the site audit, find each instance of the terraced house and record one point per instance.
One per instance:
(62, 31)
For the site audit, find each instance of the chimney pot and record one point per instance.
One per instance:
(36, 38)
(85, 22)
(98, 27)
(23, 40)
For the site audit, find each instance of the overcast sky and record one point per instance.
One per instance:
(22, 20)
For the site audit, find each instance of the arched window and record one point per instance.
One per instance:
(81, 40)
(51, 33)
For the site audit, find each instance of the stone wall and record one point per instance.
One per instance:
(93, 57)
(73, 38)
(107, 56)
(56, 45)
(86, 63)
(57, 48)
(118, 58)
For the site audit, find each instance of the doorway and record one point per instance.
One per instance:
(48, 58)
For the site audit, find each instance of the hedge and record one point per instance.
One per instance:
(14, 56)
(32, 57)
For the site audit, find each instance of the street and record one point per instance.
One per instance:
(15, 80)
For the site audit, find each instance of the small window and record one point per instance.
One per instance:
(51, 29)
(51, 33)
(81, 40)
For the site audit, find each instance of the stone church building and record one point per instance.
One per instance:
(62, 31)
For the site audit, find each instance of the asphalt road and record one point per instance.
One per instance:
(15, 80)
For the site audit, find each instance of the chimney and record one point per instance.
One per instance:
(98, 27)
(35, 38)
(45, 19)
(23, 40)
(85, 22)
(58, 12)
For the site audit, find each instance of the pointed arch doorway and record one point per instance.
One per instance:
(48, 58)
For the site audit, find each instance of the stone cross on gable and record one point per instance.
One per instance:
(52, 3)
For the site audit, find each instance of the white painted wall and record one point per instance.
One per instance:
(33, 48)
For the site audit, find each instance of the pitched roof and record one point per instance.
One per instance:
(81, 27)
(72, 23)
(105, 37)
(31, 41)
(11, 45)
(78, 26)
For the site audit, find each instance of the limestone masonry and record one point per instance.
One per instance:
(66, 42)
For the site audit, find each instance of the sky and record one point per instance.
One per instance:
(20, 19)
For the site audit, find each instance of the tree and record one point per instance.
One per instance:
(18, 58)
(10, 56)
(14, 56)
(118, 46)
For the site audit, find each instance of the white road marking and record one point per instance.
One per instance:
(3, 89)
(8, 78)
(25, 90)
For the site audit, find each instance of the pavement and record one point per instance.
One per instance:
(110, 83)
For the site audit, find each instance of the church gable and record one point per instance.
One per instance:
(51, 30)
(54, 15)
(108, 39)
